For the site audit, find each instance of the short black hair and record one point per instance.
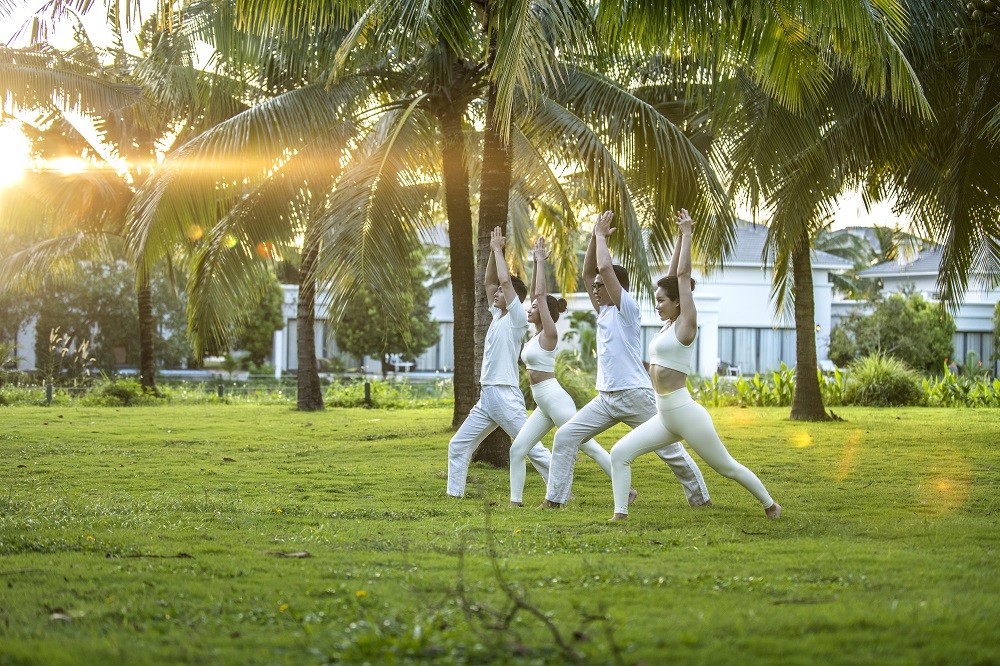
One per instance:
(669, 285)
(622, 276)
(518, 284)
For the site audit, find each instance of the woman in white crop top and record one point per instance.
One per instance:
(555, 405)
(671, 357)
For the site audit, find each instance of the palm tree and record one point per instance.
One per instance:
(55, 83)
(425, 87)
(798, 95)
(164, 98)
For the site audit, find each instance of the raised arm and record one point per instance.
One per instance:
(686, 326)
(549, 337)
(605, 267)
(499, 263)
(490, 281)
(590, 271)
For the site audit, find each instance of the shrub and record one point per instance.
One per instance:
(880, 380)
(832, 387)
(390, 394)
(905, 326)
(118, 393)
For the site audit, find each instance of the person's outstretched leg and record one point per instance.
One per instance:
(694, 424)
(638, 406)
(560, 408)
(463, 444)
(588, 422)
(533, 430)
(649, 436)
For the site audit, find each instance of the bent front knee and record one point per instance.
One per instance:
(619, 457)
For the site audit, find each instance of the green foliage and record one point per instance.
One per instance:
(14, 312)
(389, 394)
(117, 393)
(951, 390)
(99, 305)
(256, 336)
(774, 389)
(832, 387)
(66, 361)
(881, 380)
(376, 324)
(904, 326)
(172, 344)
(583, 329)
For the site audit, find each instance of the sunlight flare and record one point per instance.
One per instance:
(848, 454)
(802, 439)
(15, 148)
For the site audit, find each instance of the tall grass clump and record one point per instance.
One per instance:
(881, 381)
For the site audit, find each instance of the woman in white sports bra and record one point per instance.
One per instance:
(678, 416)
(555, 405)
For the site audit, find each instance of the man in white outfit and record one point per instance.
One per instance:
(501, 402)
(624, 390)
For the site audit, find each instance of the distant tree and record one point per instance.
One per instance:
(99, 308)
(905, 326)
(370, 327)
(14, 311)
(256, 336)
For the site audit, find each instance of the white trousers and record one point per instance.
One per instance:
(498, 406)
(678, 417)
(555, 407)
(632, 407)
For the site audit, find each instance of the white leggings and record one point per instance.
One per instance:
(678, 417)
(555, 407)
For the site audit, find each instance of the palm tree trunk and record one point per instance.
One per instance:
(463, 270)
(807, 401)
(494, 203)
(147, 325)
(310, 394)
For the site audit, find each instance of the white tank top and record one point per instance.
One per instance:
(666, 351)
(536, 358)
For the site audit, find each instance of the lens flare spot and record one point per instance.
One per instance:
(195, 232)
(947, 485)
(848, 454)
(802, 439)
(741, 416)
(265, 250)
(230, 241)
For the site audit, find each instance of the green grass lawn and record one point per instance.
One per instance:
(163, 534)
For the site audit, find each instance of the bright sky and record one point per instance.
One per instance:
(852, 213)
(14, 148)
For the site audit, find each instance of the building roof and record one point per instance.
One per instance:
(927, 262)
(751, 240)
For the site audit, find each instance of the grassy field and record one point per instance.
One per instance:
(256, 534)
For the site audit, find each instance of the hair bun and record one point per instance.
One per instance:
(561, 303)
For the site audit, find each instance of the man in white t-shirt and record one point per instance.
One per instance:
(501, 402)
(624, 390)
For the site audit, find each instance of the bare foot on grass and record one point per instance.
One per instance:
(773, 512)
(618, 517)
(516, 505)
(546, 504)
